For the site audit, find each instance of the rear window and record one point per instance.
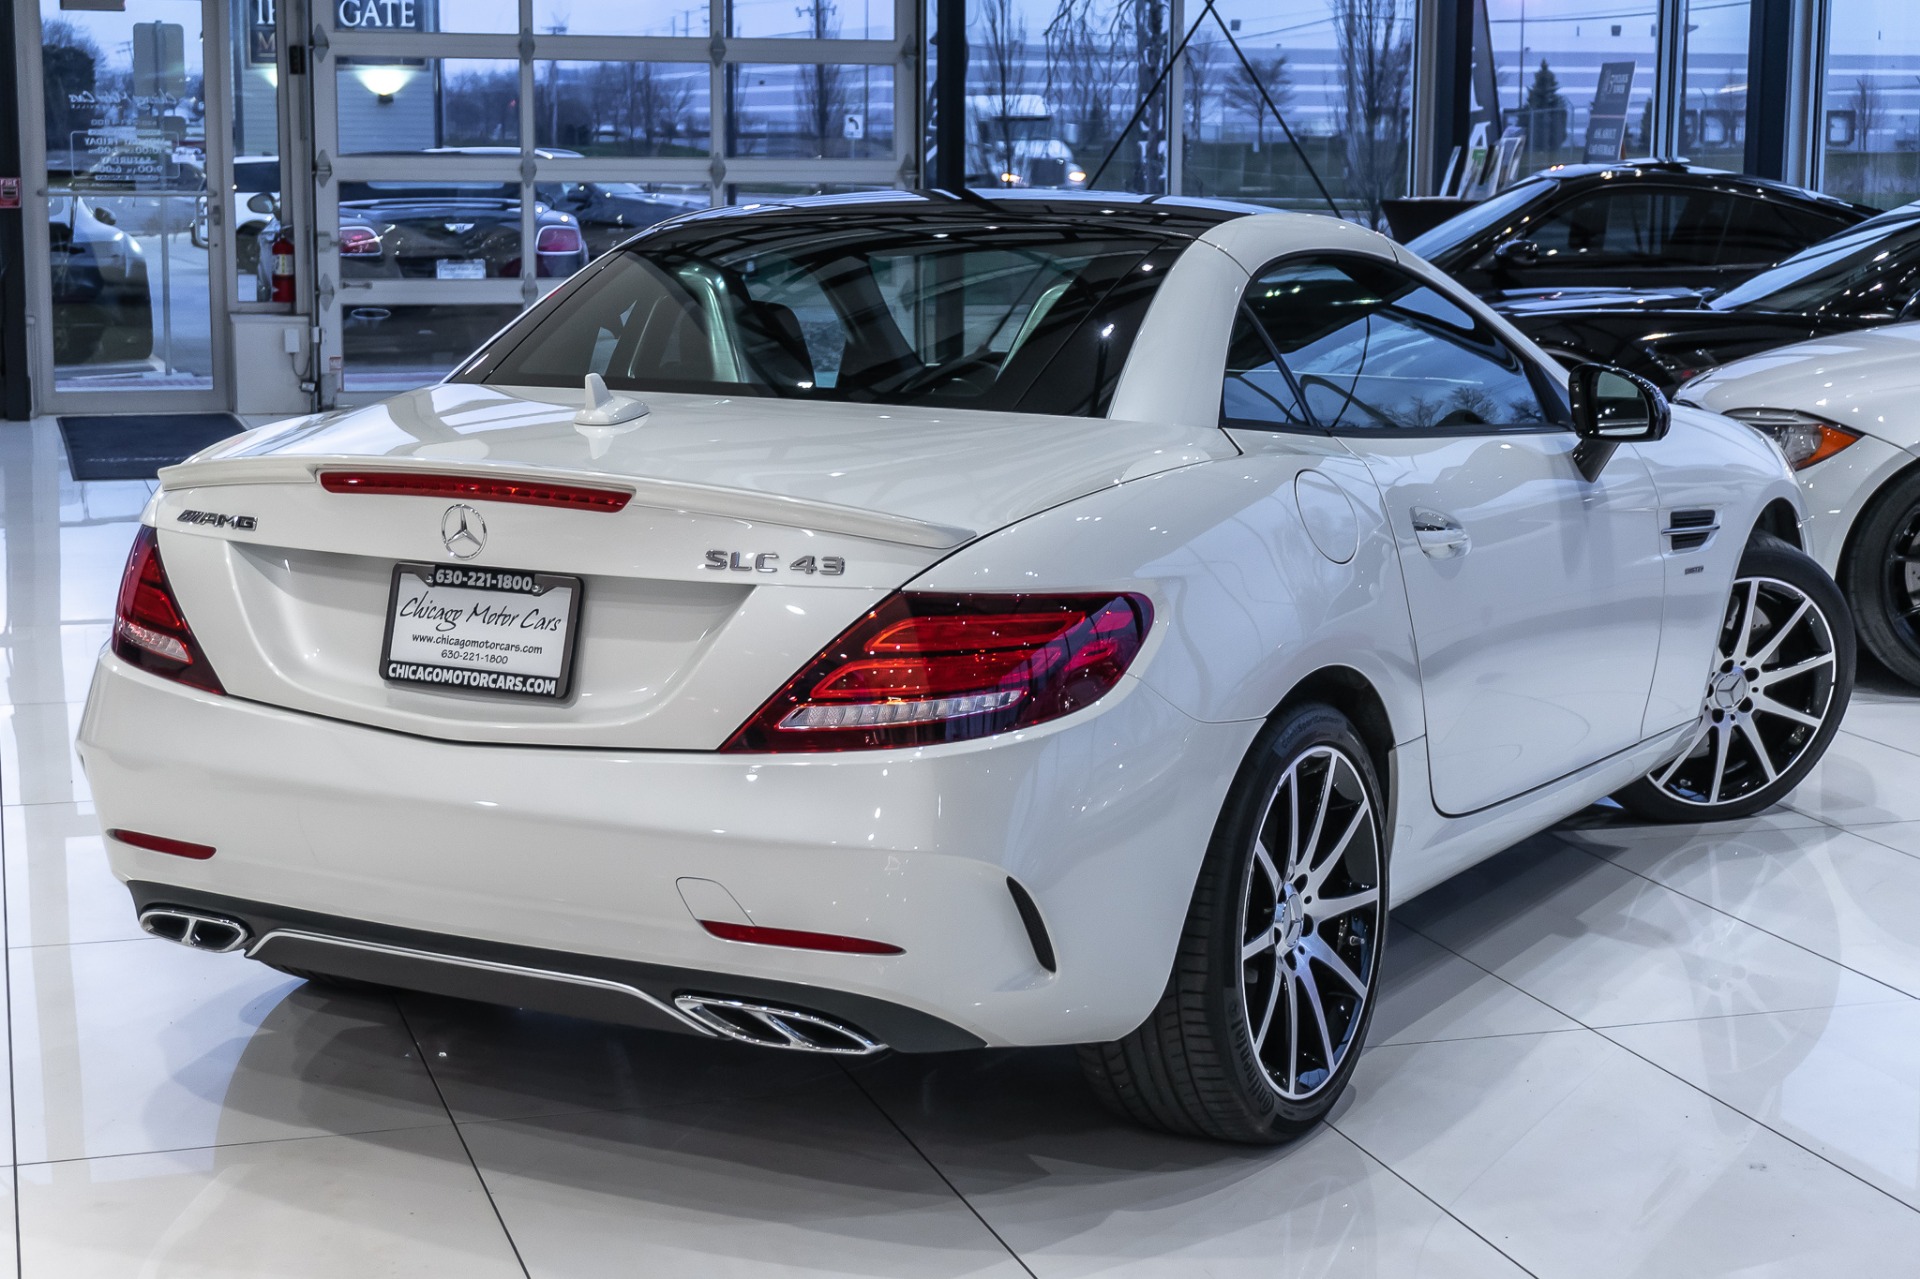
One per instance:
(856, 309)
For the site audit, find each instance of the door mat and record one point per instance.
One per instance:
(134, 446)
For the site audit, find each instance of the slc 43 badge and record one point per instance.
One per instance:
(768, 562)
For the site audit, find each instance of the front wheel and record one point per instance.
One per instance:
(1779, 681)
(1273, 985)
(1883, 577)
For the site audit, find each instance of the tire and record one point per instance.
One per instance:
(1780, 679)
(1233, 1051)
(1882, 577)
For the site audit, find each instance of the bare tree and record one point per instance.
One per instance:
(1203, 76)
(1003, 66)
(1134, 35)
(1082, 66)
(1375, 40)
(1243, 91)
(823, 90)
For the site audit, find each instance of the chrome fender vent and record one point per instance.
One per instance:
(771, 1027)
(1690, 530)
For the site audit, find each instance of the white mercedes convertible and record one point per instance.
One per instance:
(927, 622)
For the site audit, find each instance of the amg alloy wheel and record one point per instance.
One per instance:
(1779, 682)
(1267, 1008)
(1882, 577)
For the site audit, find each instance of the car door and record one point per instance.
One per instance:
(1612, 237)
(1536, 595)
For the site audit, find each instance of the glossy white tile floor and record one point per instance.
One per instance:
(1612, 1051)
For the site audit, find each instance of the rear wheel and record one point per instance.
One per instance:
(1779, 681)
(1263, 1018)
(1883, 577)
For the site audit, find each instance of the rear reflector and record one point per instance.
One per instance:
(523, 492)
(161, 844)
(922, 669)
(149, 630)
(796, 940)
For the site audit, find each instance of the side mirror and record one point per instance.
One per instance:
(1521, 253)
(1612, 407)
(263, 202)
(104, 217)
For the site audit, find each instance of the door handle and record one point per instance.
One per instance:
(1440, 535)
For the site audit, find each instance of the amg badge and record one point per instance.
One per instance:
(245, 523)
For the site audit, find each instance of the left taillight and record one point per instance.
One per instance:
(149, 630)
(926, 668)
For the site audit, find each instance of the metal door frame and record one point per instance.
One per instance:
(717, 171)
(216, 90)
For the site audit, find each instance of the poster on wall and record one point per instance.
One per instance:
(1607, 123)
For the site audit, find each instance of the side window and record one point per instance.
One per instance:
(1373, 348)
(1762, 232)
(1610, 227)
(1258, 391)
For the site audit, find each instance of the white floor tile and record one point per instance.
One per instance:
(1605, 946)
(1431, 993)
(1843, 1082)
(813, 1181)
(1861, 781)
(37, 760)
(397, 1203)
(505, 1063)
(1831, 892)
(1901, 836)
(59, 887)
(1888, 719)
(1077, 1192)
(138, 1046)
(1579, 1159)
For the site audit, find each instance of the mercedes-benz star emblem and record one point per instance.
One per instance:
(464, 532)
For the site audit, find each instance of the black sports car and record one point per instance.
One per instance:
(1864, 276)
(1639, 224)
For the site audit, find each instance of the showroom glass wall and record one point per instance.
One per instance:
(1870, 122)
(474, 153)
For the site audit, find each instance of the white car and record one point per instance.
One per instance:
(935, 622)
(1845, 411)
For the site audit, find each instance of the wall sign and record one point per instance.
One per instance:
(9, 193)
(1607, 123)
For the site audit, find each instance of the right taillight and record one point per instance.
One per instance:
(149, 630)
(359, 242)
(924, 668)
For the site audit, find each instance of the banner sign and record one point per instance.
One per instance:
(1607, 123)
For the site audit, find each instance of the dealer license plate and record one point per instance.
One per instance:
(483, 630)
(459, 269)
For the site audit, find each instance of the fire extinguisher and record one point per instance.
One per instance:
(281, 279)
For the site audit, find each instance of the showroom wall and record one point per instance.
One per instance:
(618, 112)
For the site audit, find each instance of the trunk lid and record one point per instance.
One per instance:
(696, 601)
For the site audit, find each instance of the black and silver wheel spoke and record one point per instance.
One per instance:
(1311, 913)
(1768, 694)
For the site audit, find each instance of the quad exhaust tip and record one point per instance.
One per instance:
(770, 1027)
(210, 933)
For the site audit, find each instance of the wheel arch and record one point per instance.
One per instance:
(1781, 520)
(1353, 695)
(1867, 509)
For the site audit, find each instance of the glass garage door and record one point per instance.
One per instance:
(471, 154)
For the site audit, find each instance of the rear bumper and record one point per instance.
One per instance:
(1102, 817)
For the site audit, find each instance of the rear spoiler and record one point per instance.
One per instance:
(665, 495)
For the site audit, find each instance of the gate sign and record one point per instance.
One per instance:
(377, 15)
(1607, 123)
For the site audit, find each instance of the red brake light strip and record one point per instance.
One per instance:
(798, 940)
(574, 497)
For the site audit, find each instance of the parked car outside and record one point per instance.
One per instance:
(102, 305)
(1635, 225)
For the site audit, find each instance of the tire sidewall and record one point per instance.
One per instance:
(1227, 862)
(1866, 583)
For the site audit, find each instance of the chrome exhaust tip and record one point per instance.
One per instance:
(766, 1026)
(210, 933)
